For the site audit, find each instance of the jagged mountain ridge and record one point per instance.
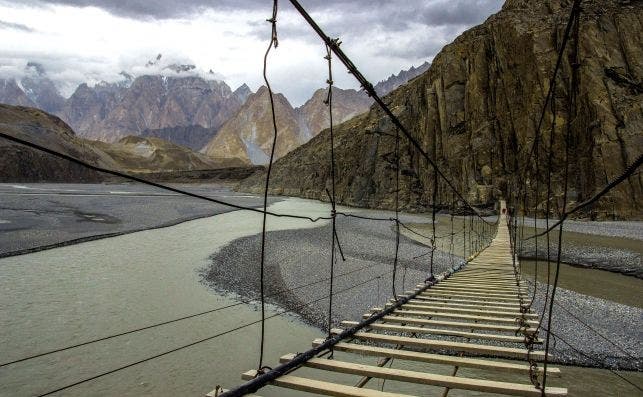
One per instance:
(479, 97)
(395, 80)
(182, 108)
(150, 102)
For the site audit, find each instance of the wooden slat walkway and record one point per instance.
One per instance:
(477, 308)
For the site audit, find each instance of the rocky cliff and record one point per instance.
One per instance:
(480, 100)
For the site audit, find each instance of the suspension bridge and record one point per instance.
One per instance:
(479, 303)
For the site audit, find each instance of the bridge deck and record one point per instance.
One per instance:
(479, 304)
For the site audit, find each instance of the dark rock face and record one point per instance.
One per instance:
(480, 100)
(89, 106)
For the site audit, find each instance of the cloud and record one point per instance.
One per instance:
(15, 26)
(396, 12)
(90, 41)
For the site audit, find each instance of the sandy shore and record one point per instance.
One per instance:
(298, 262)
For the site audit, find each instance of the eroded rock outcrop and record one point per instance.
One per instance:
(480, 101)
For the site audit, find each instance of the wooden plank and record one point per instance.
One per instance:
(504, 286)
(499, 351)
(370, 350)
(476, 312)
(448, 309)
(323, 388)
(467, 300)
(476, 288)
(485, 276)
(482, 285)
(403, 319)
(444, 288)
(501, 320)
(500, 275)
(465, 305)
(485, 280)
(467, 295)
(439, 331)
(453, 382)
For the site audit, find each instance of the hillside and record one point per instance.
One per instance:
(482, 93)
(22, 164)
(131, 154)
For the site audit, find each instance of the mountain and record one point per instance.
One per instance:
(479, 100)
(242, 93)
(395, 80)
(41, 89)
(173, 103)
(346, 104)
(132, 154)
(12, 94)
(35, 88)
(88, 107)
(108, 112)
(248, 134)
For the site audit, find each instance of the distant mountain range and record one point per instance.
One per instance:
(180, 107)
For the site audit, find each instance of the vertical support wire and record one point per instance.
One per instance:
(550, 155)
(431, 277)
(329, 103)
(536, 201)
(397, 213)
(568, 132)
(273, 42)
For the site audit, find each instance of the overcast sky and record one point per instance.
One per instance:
(93, 40)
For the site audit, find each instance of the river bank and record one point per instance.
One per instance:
(39, 216)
